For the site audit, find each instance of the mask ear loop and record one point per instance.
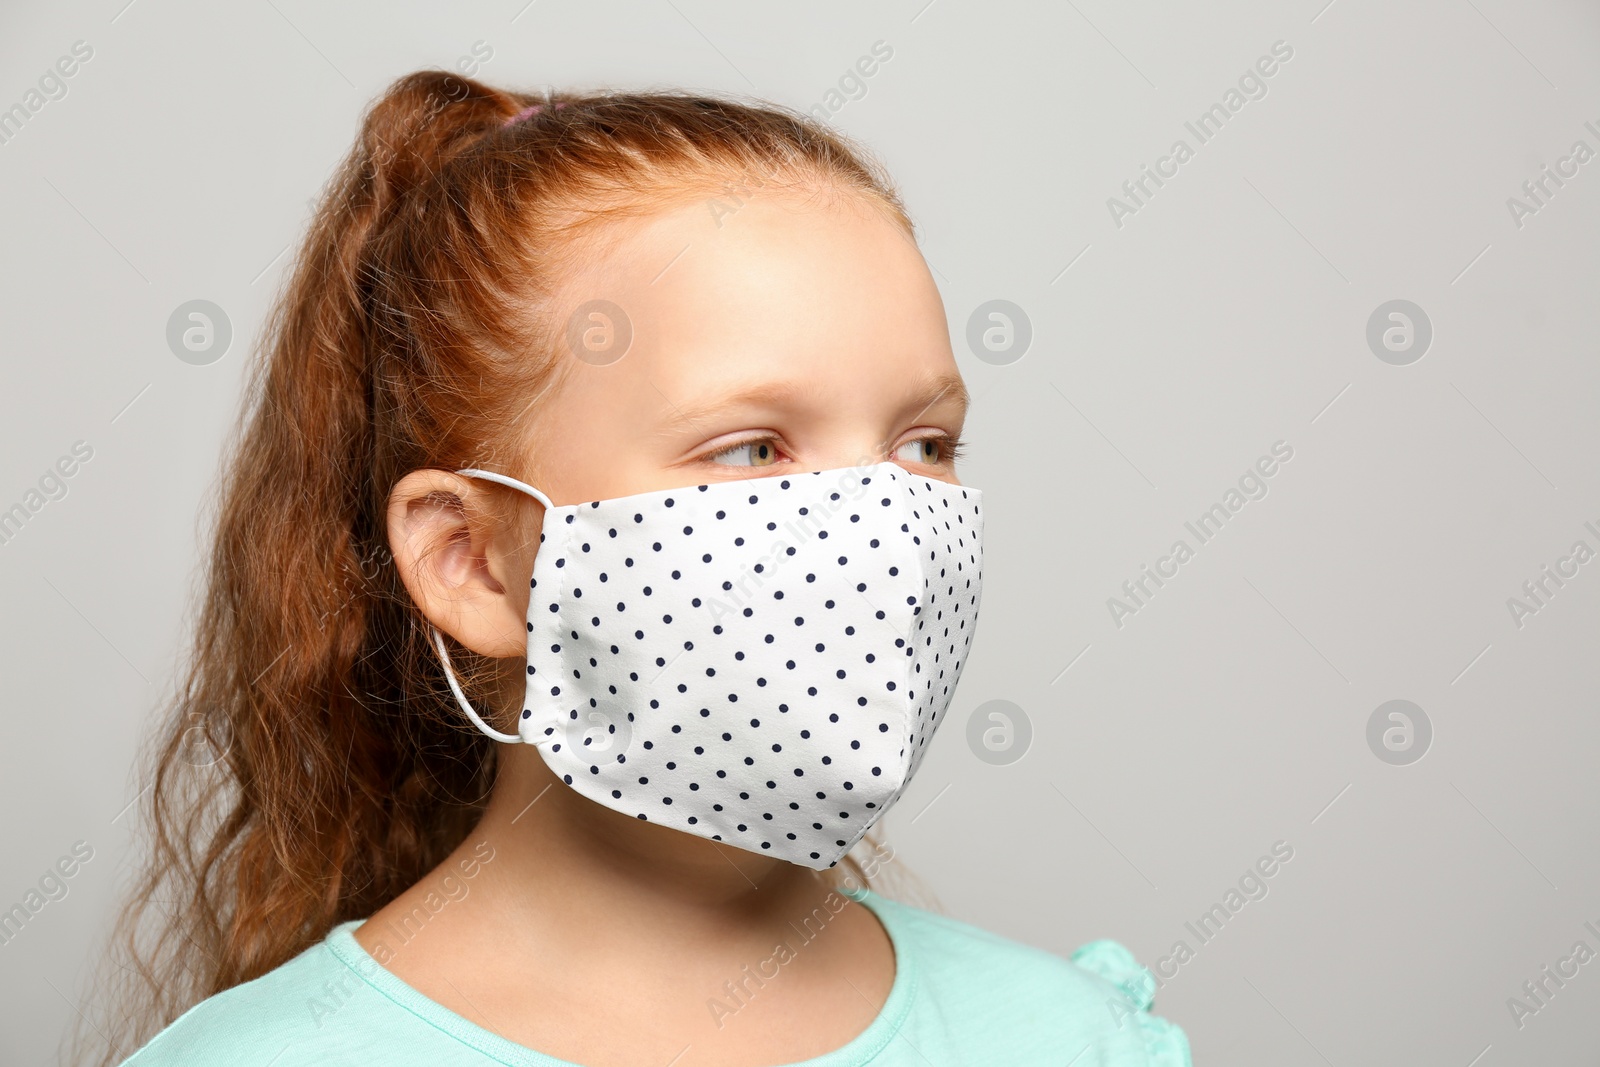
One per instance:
(438, 638)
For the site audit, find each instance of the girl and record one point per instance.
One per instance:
(589, 579)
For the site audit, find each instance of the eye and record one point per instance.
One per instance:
(756, 453)
(931, 451)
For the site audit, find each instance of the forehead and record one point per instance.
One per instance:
(747, 283)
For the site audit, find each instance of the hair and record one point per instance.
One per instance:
(312, 764)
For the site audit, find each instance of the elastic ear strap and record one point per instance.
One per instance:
(473, 472)
(461, 698)
(438, 638)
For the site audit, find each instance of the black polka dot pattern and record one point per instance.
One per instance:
(761, 662)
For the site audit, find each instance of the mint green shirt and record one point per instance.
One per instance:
(960, 996)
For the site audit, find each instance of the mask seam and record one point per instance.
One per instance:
(561, 615)
(910, 702)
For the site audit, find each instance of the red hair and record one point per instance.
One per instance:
(415, 331)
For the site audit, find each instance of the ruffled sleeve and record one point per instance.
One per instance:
(1165, 1044)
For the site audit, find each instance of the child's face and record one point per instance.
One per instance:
(797, 335)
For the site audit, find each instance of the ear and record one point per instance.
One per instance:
(465, 567)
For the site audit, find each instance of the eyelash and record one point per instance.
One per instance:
(953, 446)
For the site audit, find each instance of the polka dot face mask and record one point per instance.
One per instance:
(759, 662)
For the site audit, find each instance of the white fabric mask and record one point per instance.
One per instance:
(759, 662)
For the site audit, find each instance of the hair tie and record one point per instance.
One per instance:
(530, 111)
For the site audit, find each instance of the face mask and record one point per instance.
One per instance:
(758, 662)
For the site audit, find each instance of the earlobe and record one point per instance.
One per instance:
(454, 566)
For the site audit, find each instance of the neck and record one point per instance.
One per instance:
(572, 928)
(564, 862)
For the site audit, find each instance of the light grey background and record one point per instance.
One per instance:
(1228, 313)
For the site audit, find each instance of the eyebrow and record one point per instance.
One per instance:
(940, 384)
(775, 394)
